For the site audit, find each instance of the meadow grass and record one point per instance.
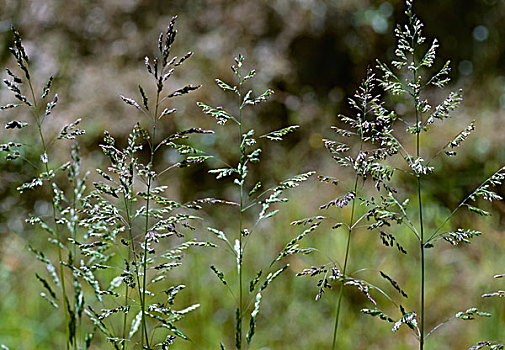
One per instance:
(121, 268)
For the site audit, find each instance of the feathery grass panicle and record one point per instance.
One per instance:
(130, 220)
(66, 199)
(411, 77)
(370, 127)
(378, 130)
(250, 197)
(107, 269)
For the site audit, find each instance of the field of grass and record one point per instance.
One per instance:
(96, 247)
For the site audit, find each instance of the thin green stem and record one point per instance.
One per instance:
(130, 249)
(421, 222)
(421, 340)
(344, 269)
(56, 228)
(125, 318)
(144, 268)
(148, 201)
(240, 254)
(74, 248)
(350, 227)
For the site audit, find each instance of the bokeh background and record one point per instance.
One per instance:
(313, 53)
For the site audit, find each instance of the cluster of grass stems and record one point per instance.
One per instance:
(115, 245)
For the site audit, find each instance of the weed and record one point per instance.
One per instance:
(376, 125)
(63, 210)
(128, 217)
(251, 196)
(113, 248)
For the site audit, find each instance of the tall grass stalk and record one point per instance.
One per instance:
(45, 161)
(145, 214)
(419, 198)
(377, 144)
(62, 211)
(344, 269)
(249, 198)
(409, 79)
(365, 95)
(366, 163)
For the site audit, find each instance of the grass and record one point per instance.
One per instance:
(121, 269)
(252, 196)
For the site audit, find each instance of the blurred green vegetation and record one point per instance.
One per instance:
(313, 53)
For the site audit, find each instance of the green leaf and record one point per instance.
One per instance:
(271, 276)
(220, 234)
(38, 221)
(14, 124)
(166, 112)
(188, 309)
(115, 283)
(50, 105)
(70, 131)
(394, 284)
(441, 78)
(408, 319)
(8, 106)
(463, 135)
(328, 179)
(46, 286)
(47, 87)
(429, 57)
(292, 247)
(238, 329)
(49, 299)
(184, 90)
(131, 102)
(452, 101)
(248, 100)
(106, 189)
(145, 100)
(94, 318)
(222, 172)
(255, 188)
(377, 313)
(254, 281)
(175, 330)
(471, 313)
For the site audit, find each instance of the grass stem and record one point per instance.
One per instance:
(240, 257)
(344, 268)
(70, 339)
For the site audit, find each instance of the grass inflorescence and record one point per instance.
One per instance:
(251, 197)
(118, 234)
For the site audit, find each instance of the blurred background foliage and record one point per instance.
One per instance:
(313, 54)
